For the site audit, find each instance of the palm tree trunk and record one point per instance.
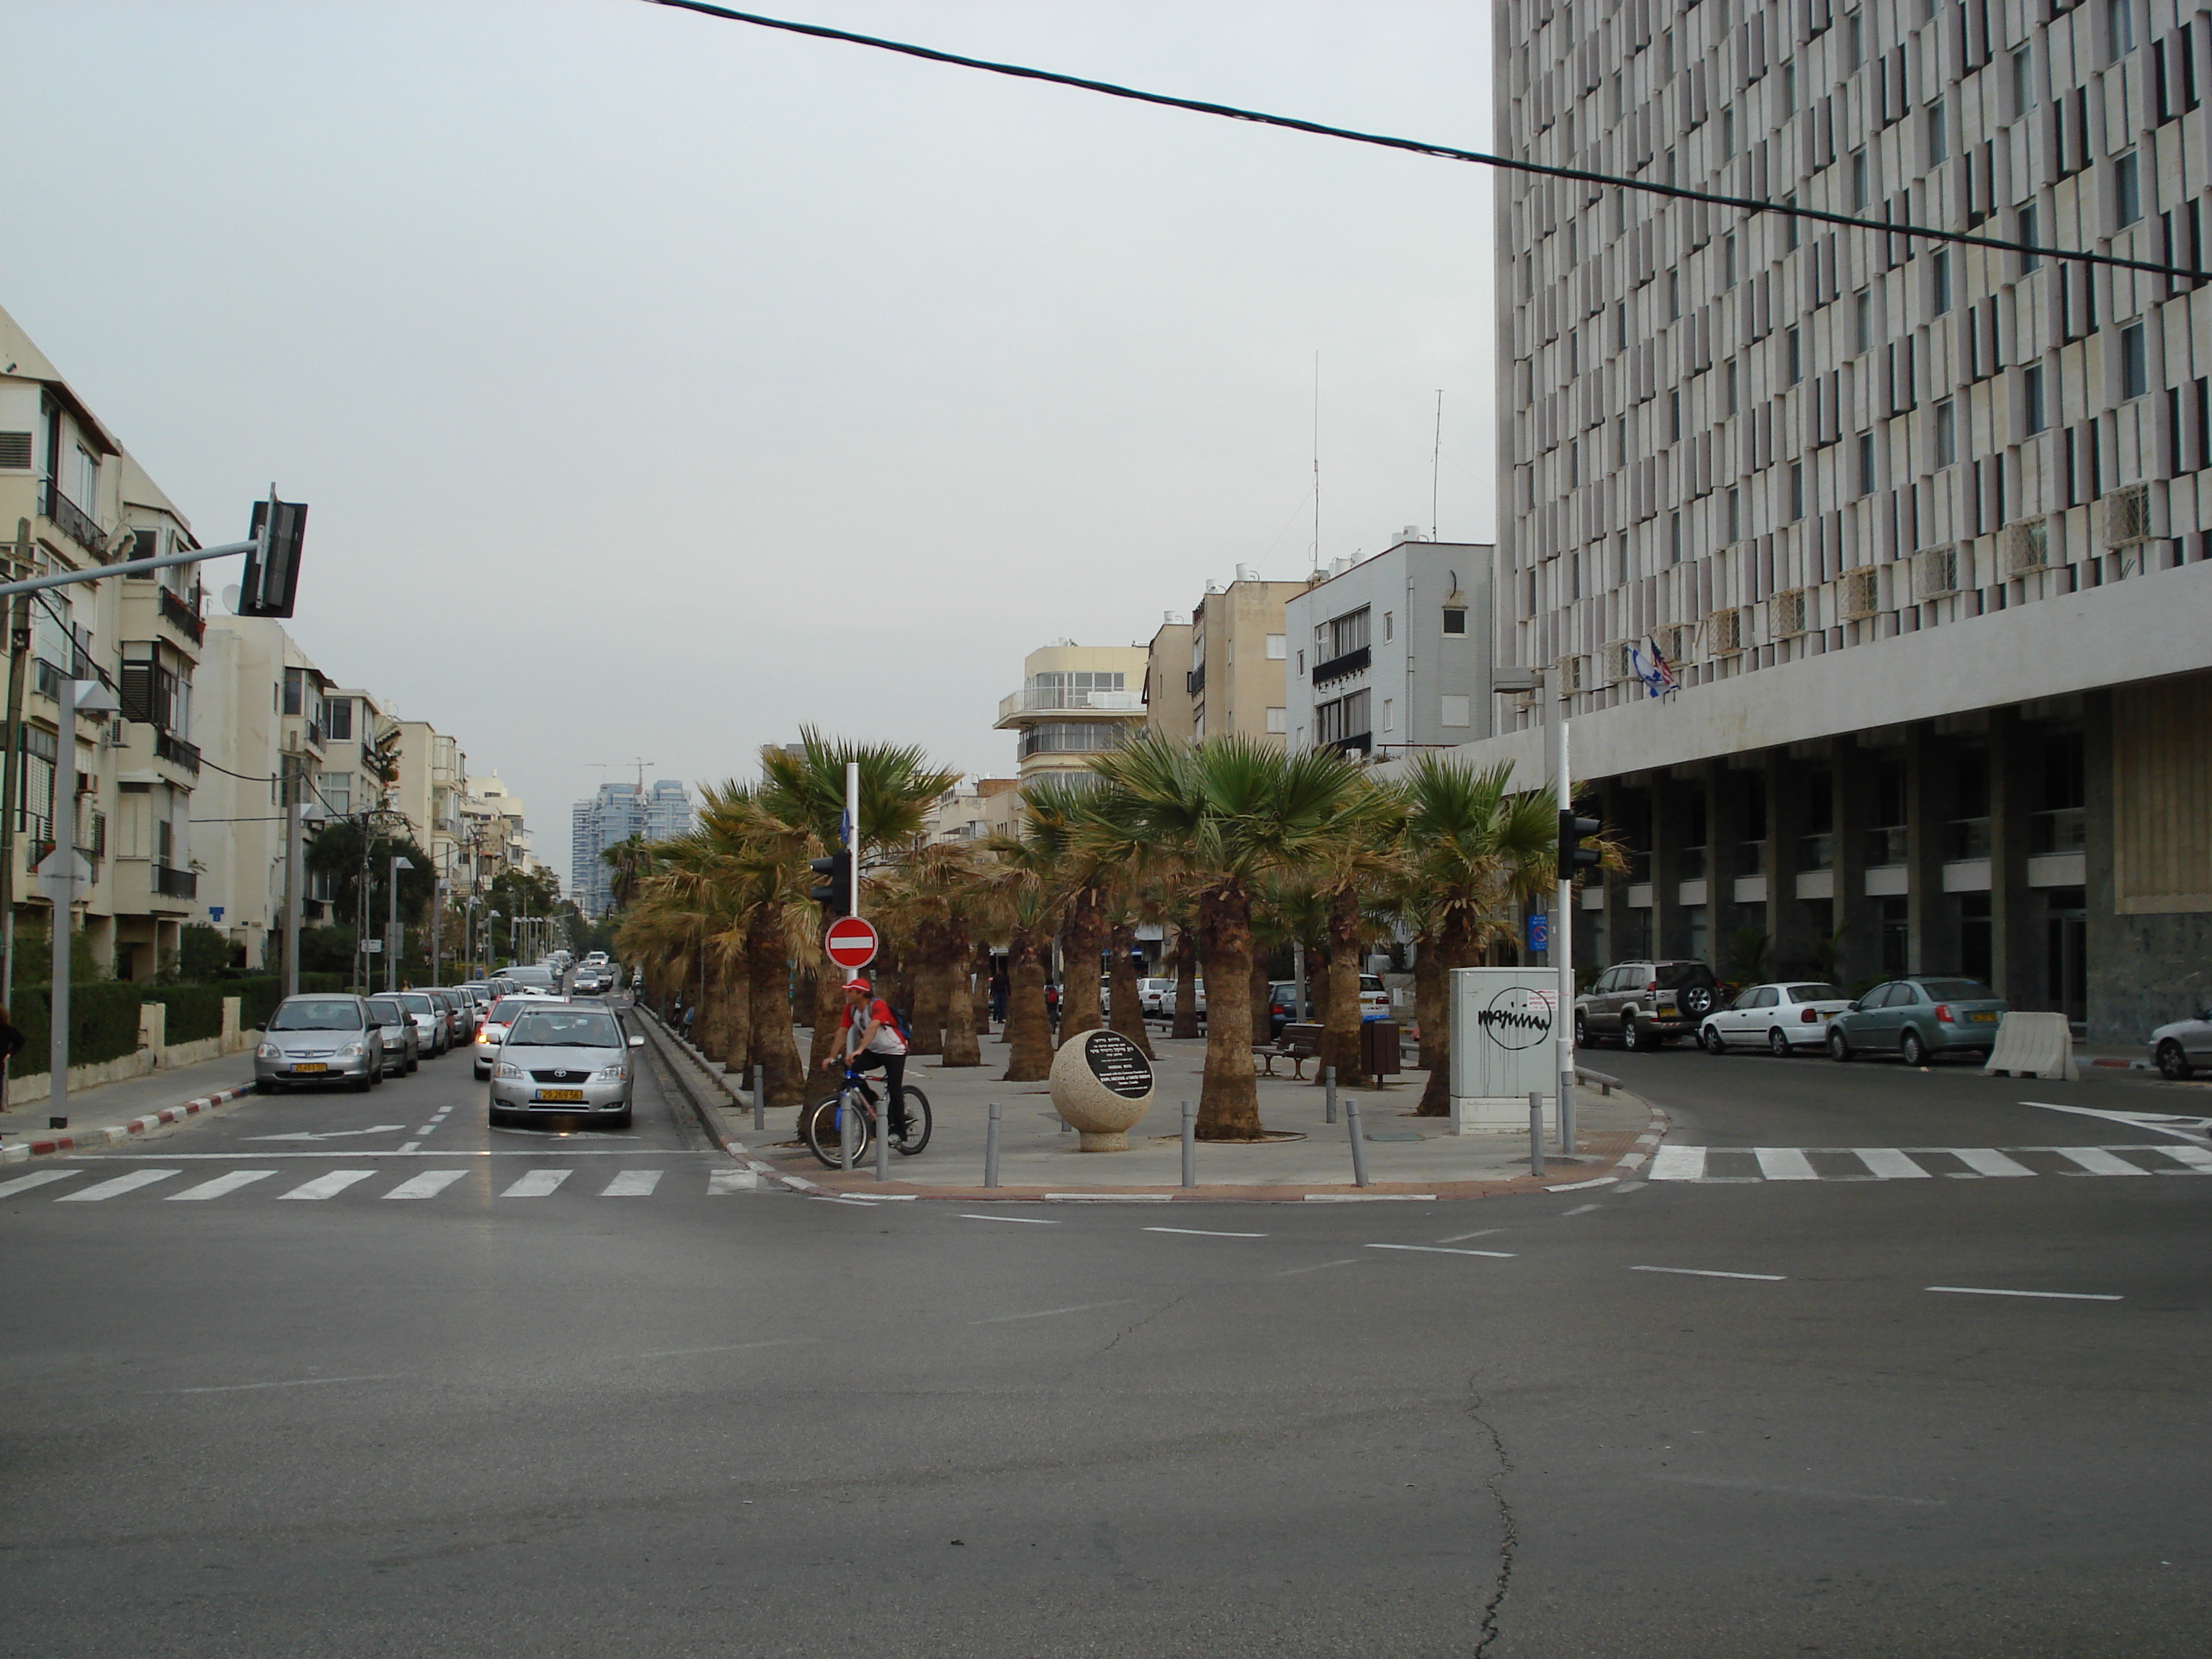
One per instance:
(961, 1048)
(1429, 1011)
(829, 1004)
(1229, 1098)
(733, 992)
(1340, 1036)
(1256, 983)
(1124, 1013)
(1083, 937)
(1029, 1029)
(768, 971)
(979, 995)
(932, 967)
(1455, 947)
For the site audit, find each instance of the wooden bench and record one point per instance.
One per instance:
(1297, 1044)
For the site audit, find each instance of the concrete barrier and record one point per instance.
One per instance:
(2034, 1045)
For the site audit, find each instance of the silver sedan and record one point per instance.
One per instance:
(564, 1060)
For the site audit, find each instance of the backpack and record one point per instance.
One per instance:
(903, 1025)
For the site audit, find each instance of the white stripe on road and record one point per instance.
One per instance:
(428, 1184)
(117, 1186)
(328, 1186)
(295, 1382)
(1461, 1238)
(2054, 1296)
(537, 1184)
(410, 1146)
(1983, 1161)
(1203, 1232)
(1343, 1261)
(1712, 1273)
(1891, 1164)
(720, 1181)
(1439, 1250)
(2095, 1160)
(1026, 1220)
(1783, 1164)
(729, 1347)
(24, 1183)
(221, 1184)
(634, 1183)
(1050, 1313)
(2194, 1156)
(1678, 1163)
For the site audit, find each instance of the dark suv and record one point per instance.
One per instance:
(1646, 1003)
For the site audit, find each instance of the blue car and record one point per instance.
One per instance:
(1919, 1017)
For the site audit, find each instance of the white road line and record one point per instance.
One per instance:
(1461, 1238)
(1712, 1273)
(1116, 1198)
(24, 1183)
(1344, 1261)
(1890, 1164)
(410, 1146)
(729, 1347)
(428, 1184)
(634, 1183)
(117, 1186)
(537, 1183)
(1783, 1164)
(1439, 1250)
(328, 1186)
(1678, 1163)
(865, 1204)
(1580, 1209)
(1203, 1232)
(293, 1383)
(1026, 1220)
(1578, 1186)
(2095, 1160)
(2053, 1296)
(427, 1127)
(722, 1182)
(221, 1184)
(1983, 1161)
(1050, 1313)
(2194, 1156)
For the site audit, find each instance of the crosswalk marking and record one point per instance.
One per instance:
(24, 1183)
(721, 1183)
(428, 1184)
(2194, 1156)
(537, 1183)
(1721, 1164)
(1890, 1164)
(1679, 1163)
(117, 1186)
(1784, 1164)
(1982, 1160)
(2097, 1161)
(634, 1183)
(221, 1184)
(328, 1186)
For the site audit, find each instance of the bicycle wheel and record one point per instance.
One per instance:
(918, 1123)
(823, 1131)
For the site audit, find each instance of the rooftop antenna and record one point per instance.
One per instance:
(640, 764)
(1436, 459)
(1316, 459)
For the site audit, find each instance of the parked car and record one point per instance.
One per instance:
(319, 1039)
(564, 1060)
(460, 1015)
(431, 1025)
(402, 1050)
(2179, 1048)
(497, 1017)
(1374, 997)
(1781, 1018)
(1645, 1004)
(1156, 998)
(543, 977)
(1168, 998)
(1919, 1016)
(1282, 1006)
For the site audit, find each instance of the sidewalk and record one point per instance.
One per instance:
(1409, 1157)
(106, 1114)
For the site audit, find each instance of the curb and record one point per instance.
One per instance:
(114, 1134)
(2114, 1063)
(710, 1116)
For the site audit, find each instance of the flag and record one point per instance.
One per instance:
(1662, 679)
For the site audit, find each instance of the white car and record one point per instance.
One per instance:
(1155, 998)
(2184, 1047)
(1780, 1017)
(1374, 997)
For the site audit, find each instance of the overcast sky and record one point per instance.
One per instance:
(660, 384)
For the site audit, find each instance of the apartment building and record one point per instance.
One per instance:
(1076, 701)
(1919, 530)
(973, 809)
(429, 795)
(1168, 705)
(496, 833)
(616, 812)
(1391, 654)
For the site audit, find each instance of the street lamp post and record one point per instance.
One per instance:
(391, 935)
(91, 698)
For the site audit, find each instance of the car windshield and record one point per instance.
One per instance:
(1958, 990)
(565, 1028)
(386, 1010)
(504, 1010)
(415, 1002)
(1816, 994)
(341, 1014)
(1672, 975)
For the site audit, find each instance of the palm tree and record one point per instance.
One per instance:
(1350, 867)
(1475, 849)
(1220, 815)
(628, 862)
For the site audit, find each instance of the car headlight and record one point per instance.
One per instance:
(483, 1036)
(353, 1051)
(268, 1051)
(610, 1074)
(508, 1069)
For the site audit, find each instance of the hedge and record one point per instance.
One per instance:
(104, 1015)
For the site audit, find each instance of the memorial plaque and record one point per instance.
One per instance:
(1119, 1064)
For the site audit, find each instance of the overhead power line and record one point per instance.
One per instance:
(1746, 204)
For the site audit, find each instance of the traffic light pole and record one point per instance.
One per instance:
(1563, 931)
(853, 827)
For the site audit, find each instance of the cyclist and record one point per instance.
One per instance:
(871, 1039)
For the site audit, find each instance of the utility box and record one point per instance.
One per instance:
(1378, 1047)
(1505, 1047)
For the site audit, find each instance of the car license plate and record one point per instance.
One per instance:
(561, 1094)
(311, 1066)
(1984, 1017)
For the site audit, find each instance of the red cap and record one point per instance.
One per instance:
(857, 984)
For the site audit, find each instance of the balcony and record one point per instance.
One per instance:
(1337, 668)
(175, 751)
(72, 522)
(1689, 864)
(1751, 858)
(1816, 852)
(1015, 709)
(181, 616)
(175, 883)
(1195, 682)
(1360, 743)
(1965, 838)
(2062, 830)
(1886, 844)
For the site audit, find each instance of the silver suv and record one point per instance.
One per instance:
(1646, 1003)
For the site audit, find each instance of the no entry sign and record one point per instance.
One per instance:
(850, 942)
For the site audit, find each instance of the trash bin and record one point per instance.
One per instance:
(1378, 1047)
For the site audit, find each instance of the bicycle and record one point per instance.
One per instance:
(822, 1126)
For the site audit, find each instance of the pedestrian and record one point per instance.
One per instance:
(1052, 1005)
(689, 1014)
(998, 998)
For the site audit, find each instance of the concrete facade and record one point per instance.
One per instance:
(1239, 656)
(1076, 701)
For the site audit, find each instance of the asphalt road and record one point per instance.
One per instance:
(691, 1422)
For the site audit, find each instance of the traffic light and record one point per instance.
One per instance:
(1573, 855)
(834, 891)
(272, 581)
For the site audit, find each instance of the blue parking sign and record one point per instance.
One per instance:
(1539, 933)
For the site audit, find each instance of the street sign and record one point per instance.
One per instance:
(1539, 933)
(373, 946)
(850, 942)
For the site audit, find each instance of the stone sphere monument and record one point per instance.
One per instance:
(1102, 1084)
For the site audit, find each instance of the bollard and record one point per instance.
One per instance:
(845, 1133)
(1359, 1144)
(1190, 1145)
(760, 1099)
(883, 1139)
(1535, 1133)
(1329, 1094)
(991, 1148)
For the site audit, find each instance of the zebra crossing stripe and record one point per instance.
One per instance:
(1983, 1161)
(117, 1186)
(633, 1183)
(24, 1183)
(428, 1184)
(1678, 1163)
(537, 1183)
(2194, 1156)
(2095, 1160)
(220, 1185)
(1784, 1164)
(1890, 1164)
(328, 1186)
(721, 1183)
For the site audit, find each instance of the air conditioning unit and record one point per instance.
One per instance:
(1724, 632)
(1574, 672)
(2127, 516)
(1616, 664)
(1935, 573)
(1785, 613)
(1859, 593)
(1677, 641)
(2026, 547)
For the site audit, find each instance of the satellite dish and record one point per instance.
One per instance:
(231, 595)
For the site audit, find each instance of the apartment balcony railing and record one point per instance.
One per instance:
(1195, 682)
(1689, 864)
(1359, 743)
(1034, 701)
(72, 520)
(176, 883)
(183, 617)
(174, 750)
(1816, 852)
(1964, 839)
(2061, 829)
(1337, 668)
(1751, 858)
(1886, 844)
(1640, 867)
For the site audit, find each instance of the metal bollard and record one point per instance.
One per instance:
(845, 1115)
(1329, 1094)
(1359, 1144)
(1567, 1116)
(991, 1147)
(760, 1099)
(1535, 1133)
(1190, 1145)
(883, 1139)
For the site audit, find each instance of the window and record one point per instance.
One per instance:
(1390, 714)
(1866, 463)
(1455, 620)
(84, 486)
(1788, 90)
(1345, 634)
(1861, 181)
(336, 790)
(338, 719)
(1278, 721)
(2023, 82)
(1797, 491)
(1278, 647)
(1863, 321)
(2127, 187)
(1389, 626)
(1938, 135)
(2026, 230)
(2134, 369)
(1735, 513)
(1728, 135)
(295, 690)
(1070, 737)
(1674, 296)
(1854, 40)
(1727, 262)
(2121, 21)
(1939, 281)
(1790, 225)
(1675, 417)
(1342, 720)
(1728, 384)
(1793, 356)
(1454, 712)
(1674, 536)
(1947, 433)
(2032, 412)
